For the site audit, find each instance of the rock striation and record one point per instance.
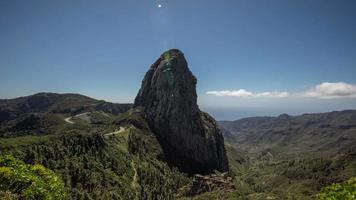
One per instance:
(189, 137)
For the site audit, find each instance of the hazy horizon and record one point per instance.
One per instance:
(236, 113)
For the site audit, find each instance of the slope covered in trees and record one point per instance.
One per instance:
(97, 162)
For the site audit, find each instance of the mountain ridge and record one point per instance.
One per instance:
(66, 103)
(318, 133)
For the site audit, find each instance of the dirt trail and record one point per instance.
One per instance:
(68, 119)
(122, 129)
(134, 183)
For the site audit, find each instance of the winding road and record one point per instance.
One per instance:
(68, 119)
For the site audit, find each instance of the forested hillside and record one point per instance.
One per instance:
(100, 162)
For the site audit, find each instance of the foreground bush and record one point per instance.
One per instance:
(23, 181)
(339, 191)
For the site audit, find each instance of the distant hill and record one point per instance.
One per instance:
(55, 103)
(323, 133)
(42, 112)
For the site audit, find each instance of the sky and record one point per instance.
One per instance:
(251, 57)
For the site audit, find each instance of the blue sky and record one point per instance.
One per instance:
(245, 54)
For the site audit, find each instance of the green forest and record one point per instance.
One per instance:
(128, 165)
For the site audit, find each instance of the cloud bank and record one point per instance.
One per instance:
(324, 90)
(332, 90)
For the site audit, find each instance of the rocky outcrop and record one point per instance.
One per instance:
(190, 138)
(210, 182)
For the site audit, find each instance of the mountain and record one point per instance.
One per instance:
(324, 133)
(190, 138)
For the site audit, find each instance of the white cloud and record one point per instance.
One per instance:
(324, 90)
(233, 93)
(273, 94)
(331, 91)
(245, 93)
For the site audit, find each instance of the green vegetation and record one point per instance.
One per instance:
(22, 141)
(23, 181)
(345, 191)
(155, 179)
(95, 164)
(258, 176)
(268, 176)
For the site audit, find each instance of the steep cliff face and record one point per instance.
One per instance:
(190, 138)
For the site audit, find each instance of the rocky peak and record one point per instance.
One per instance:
(190, 138)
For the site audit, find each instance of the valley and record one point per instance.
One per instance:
(292, 156)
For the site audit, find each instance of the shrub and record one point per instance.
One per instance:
(339, 191)
(25, 181)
